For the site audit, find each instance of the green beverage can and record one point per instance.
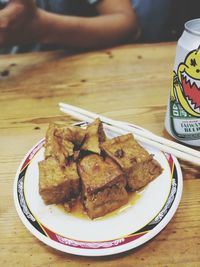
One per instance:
(182, 119)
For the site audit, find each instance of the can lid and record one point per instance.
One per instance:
(193, 26)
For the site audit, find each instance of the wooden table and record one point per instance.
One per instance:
(129, 83)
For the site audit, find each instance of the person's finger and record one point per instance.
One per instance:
(11, 15)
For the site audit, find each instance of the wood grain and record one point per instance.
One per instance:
(129, 83)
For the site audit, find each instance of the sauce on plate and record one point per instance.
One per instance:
(78, 211)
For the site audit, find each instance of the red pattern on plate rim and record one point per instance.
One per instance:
(91, 244)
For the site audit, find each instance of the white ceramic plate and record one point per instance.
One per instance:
(126, 229)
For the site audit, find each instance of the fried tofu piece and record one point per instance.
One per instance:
(103, 185)
(72, 134)
(94, 137)
(135, 161)
(71, 173)
(57, 184)
(54, 146)
(108, 200)
(61, 141)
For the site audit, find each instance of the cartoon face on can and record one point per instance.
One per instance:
(186, 87)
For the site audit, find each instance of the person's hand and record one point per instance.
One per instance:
(19, 23)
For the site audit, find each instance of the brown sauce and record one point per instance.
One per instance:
(133, 197)
(79, 212)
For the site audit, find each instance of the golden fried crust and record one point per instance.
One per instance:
(57, 184)
(56, 147)
(105, 201)
(135, 161)
(141, 174)
(94, 137)
(72, 134)
(125, 150)
(97, 173)
(53, 185)
(61, 141)
(71, 173)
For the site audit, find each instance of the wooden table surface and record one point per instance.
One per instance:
(129, 83)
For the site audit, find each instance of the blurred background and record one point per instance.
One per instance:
(181, 11)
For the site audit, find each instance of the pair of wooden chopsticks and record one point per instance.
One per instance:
(141, 135)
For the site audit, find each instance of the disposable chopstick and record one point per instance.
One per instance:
(177, 153)
(138, 131)
(177, 150)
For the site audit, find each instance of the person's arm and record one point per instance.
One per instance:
(115, 23)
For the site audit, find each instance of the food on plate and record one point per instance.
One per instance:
(58, 184)
(83, 165)
(139, 166)
(103, 185)
(94, 137)
(62, 142)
